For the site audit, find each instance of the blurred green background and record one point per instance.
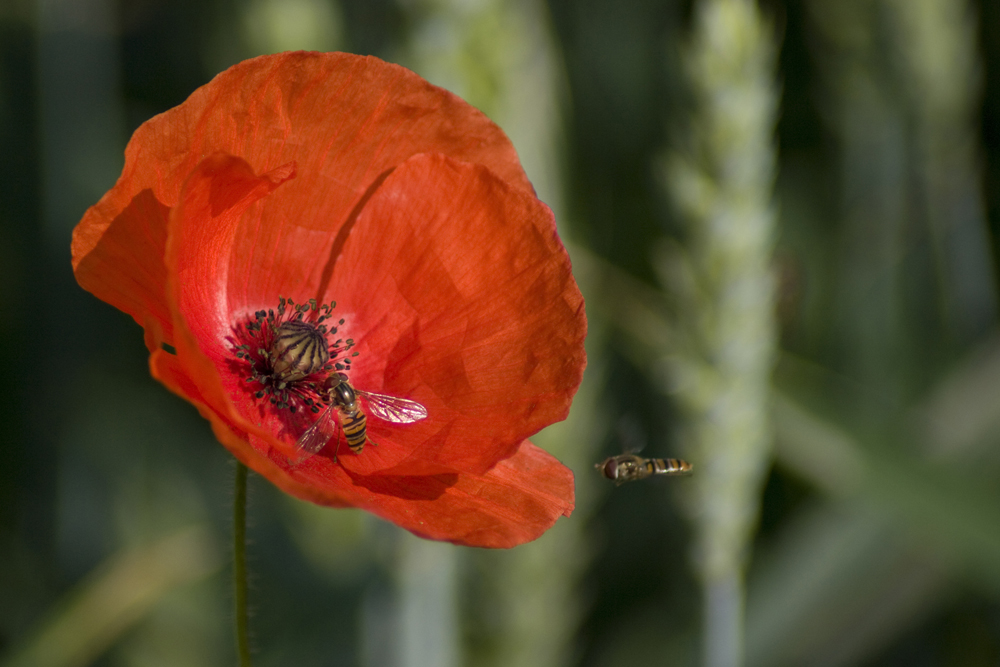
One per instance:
(878, 540)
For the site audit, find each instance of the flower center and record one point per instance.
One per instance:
(289, 353)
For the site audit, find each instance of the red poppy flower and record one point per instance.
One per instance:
(301, 179)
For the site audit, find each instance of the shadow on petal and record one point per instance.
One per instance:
(345, 230)
(429, 487)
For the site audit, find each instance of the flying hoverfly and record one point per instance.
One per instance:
(630, 467)
(344, 412)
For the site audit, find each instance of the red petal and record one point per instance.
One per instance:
(460, 296)
(455, 287)
(218, 194)
(126, 267)
(344, 119)
(513, 503)
(516, 500)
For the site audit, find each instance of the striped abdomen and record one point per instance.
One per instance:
(667, 466)
(353, 421)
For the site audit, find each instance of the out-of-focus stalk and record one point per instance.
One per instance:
(858, 101)
(428, 618)
(114, 598)
(242, 613)
(519, 606)
(938, 43)
(720, 278)
(900, 85)
(526, 602)
(499, 56)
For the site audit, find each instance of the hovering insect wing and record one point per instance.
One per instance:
(630, 433)
(393, 409)
(321, 432)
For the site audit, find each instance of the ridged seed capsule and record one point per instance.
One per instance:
(299, 349)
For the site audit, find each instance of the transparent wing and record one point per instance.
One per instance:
(316, 436)
(631, 433)
(393, 409)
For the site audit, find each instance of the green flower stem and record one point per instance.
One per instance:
(240, 564)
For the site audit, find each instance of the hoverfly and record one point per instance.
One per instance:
(629, 467)
(344, 412)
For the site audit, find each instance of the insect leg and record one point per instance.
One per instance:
(337, 450)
